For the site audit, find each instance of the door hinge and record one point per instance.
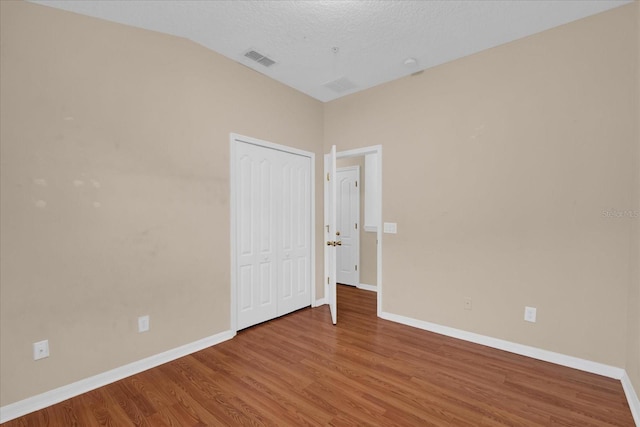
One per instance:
(356, 225)
(356, 268)
(356, 184)
(327, 228)
(327, 176)
(327, 280)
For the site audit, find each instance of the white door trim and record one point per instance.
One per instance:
(374, 149)
(235, 139)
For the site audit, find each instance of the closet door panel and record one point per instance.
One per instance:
(273, 202)
(296, 232)
(257, 272)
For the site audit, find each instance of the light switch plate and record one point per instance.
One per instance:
(390, 228)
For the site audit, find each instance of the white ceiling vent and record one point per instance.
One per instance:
(340, 85)
(259, 58)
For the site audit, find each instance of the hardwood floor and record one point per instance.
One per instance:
(301, 370)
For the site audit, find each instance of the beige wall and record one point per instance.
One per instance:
(633, 332)
(124, 135)
(368, 250)
(498, 168)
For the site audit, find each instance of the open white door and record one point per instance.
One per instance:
(330, 231)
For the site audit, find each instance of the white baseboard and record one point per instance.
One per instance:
(31, 404)
(533, 352)
(366, 287)
(321, 301)
(632, 398)
(524, 350)
(51, 397)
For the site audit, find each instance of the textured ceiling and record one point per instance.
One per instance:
(374, 38)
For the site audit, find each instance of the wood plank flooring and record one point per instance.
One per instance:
(299, 370)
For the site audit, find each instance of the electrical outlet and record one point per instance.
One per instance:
(530, 314)
(143, 323)
(40, 349)
(467, 304)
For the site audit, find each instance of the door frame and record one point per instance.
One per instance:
(355, 168)
(358, 152)
(235, 139)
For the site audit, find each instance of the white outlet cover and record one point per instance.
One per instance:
(143, 323)
(40, 349)
(530, 314)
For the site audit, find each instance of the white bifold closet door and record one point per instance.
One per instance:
(273, 197)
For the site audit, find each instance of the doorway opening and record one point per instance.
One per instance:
(350, 265)
(366, 164)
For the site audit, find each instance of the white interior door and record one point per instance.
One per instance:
(273, 229)
(347, 219)
(330, 231)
